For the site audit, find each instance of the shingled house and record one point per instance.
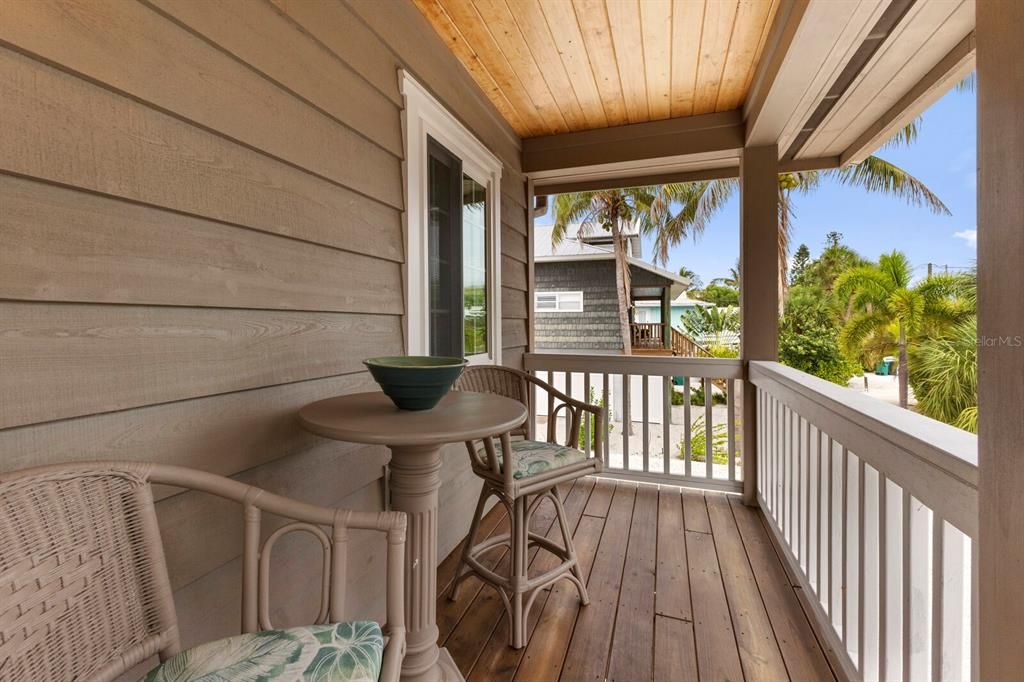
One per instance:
(575, 304)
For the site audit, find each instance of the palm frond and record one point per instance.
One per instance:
(875, 174)
(906, 135)
(857, 330)
(867, 281)
(573, 207)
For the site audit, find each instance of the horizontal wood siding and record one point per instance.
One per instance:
(202, 228)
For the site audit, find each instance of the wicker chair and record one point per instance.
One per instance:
(85, 595)
(537, 468)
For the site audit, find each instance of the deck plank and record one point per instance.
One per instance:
(675, 655)
(450, 612)
(695, 512)
(717, 656)
(587, 656)
(759, 652)
(803, 656)
(498, 660)
(684, 585)
(672, 581)
(480, 619)
(601, 498)
(633, 638)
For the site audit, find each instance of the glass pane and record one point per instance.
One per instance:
(474, 266)
(439, 228)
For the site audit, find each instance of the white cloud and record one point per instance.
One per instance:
(969, 236)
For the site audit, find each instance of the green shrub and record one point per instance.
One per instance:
(588, 423)
(698, 443)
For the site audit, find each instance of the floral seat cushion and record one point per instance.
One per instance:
(339, 652)
(530, 457)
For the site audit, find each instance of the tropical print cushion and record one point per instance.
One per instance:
(340, 652)
(530, 457)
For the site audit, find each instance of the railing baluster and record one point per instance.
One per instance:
(844, 527)
(687, 428)
(905, 586)
(568, 420)
(627, 420)
(938, 536)
(831, 513)
(730, 402)
(606, 441)
(666, 422)
(806, 485)
(861, 585)
(587, 421)
(646, 423)
(883, 576)
(709, 430)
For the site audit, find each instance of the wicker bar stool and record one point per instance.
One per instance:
(521, 483)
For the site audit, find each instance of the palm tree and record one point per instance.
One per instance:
(887, 311)
(693, 277)
(703, 200)
(648, 208)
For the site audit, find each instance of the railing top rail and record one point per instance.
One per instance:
(712, 368)
(883, 434)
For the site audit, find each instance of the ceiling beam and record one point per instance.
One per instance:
(954, 67)
(562, 187)
(780, 40)
(634, 143)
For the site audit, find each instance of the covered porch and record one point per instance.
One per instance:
(213, 212)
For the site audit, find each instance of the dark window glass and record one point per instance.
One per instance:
(444, 254)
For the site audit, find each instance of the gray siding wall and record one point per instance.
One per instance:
(597, 327)
(190, 258)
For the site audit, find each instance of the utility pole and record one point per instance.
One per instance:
(929, 271)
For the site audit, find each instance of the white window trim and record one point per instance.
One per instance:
(423, 115)
(558, 302)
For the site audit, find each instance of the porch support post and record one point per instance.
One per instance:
(759, 285)
(666, 317)
(1000, 59)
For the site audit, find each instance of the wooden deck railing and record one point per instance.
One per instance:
(650, 439)
(875, 509)
(648, 335)
(686, 347)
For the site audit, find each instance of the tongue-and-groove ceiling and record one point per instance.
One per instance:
(555, 66)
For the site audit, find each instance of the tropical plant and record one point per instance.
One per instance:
(699, 443)
(648, 208)
(711, 322)
(887, 310)
(693, 277)
(945, 378)
(732, 280)
(801, 259)
(718, 295)
(589, 423)
(703, 200)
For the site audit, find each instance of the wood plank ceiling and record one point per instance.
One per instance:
(555, 66)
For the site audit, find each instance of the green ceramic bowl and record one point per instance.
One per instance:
(415, 382)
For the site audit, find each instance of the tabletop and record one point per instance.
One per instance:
(372, 418)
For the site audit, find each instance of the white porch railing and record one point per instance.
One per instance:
(875, 509)
(649, 438)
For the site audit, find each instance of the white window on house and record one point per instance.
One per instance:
(558, 301)
(453, 281)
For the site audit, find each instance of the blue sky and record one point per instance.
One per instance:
(943, 156)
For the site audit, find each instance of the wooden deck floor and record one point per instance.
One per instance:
(683, 586)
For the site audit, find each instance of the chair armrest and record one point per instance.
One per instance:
(577, 408)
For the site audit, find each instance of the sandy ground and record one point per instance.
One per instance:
(885, 388)
(655, 444)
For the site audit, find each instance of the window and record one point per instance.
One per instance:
(453, 280)
(558, 301)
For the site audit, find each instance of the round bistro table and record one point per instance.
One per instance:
(415, 439)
